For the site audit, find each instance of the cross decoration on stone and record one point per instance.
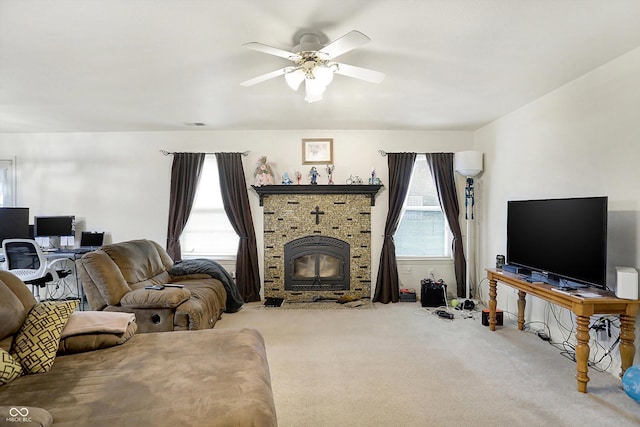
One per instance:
(317, 212)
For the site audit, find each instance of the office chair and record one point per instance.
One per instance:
(25, 259)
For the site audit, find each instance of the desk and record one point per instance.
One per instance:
(583, 308)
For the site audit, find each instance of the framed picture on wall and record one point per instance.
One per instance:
(317, 151)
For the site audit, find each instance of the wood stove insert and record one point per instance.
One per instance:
(316, 263)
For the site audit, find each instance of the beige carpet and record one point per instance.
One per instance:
(398, 365)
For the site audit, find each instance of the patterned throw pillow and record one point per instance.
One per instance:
(9, 368)
(36, 343)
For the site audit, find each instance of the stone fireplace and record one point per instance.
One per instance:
(317, 240)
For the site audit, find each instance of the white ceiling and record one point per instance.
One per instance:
(157, 65)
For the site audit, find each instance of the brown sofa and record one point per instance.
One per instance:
(199, 378)
(114, 278)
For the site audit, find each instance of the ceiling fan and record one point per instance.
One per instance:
(314, 64)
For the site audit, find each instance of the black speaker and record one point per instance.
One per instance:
(432, 294)
(499, 317)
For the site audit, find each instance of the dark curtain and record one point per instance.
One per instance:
(441, 165)
(233, 187)
(185, 174)
(388, 283)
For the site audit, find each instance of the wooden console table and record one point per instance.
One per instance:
(583, 308)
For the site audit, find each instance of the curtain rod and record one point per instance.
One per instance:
(382, 153)
(166, 153)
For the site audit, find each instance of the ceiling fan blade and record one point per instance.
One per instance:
(360, 73)
(271, 50)
(267, 76)
(344, 44)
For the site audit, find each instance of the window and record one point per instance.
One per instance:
(208, 232)
(423, 229)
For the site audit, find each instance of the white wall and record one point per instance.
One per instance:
(580, 140)
(119, 182)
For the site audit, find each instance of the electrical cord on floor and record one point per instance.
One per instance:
(478, 290)
(468, 314)
(569, 330)
(568, 348)
(511, 316)
(441, 311)
(448, 313)
(427, 311)
(612, 323)
(529, 328)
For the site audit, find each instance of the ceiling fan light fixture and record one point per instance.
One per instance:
(315, 86)
(294, 78)
(323, 74)
(313, 90)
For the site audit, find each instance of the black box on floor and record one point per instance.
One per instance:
(432, 294)
(273, 301)
(408, 295)
(499, 317)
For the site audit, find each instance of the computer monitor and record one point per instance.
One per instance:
(14, 223)
(54, 226)
(91, 239)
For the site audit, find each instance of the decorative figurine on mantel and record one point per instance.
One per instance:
(313, 175)
(354, 180)
(330, 169)
(298, 177)
(285, 179)
(263, 173)
(374, 180)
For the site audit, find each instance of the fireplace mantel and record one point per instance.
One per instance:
(369, 190)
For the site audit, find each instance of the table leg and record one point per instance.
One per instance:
(522, 302)
(582, 352)
(492, 304)
(627, 338)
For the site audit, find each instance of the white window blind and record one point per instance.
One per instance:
(423, 229)
(208, 232)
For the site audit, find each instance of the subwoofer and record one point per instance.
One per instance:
(626, 283)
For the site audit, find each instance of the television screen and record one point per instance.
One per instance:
(564, 238)
(54, 226)
(14, 223)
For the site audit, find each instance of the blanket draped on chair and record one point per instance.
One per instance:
(215, 270)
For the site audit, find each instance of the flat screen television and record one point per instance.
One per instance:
(14, 223)
(563, 239)
(54, 226)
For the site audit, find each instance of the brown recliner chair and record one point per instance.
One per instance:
(114, 278)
